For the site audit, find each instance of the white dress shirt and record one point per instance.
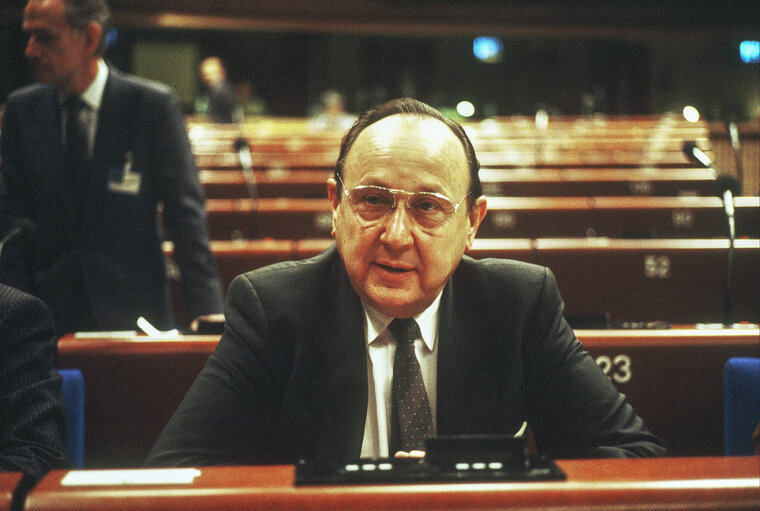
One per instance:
(381, 350)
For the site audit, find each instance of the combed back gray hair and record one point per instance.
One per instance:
(79, 14)
(413, 107)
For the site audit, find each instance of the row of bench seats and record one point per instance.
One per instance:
(676, 281)
(508, 217)
(134, 384)
(523, 182)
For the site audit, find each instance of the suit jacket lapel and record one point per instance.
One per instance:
(47, 127)
(468, 372)
(114, 125)
(340, 391)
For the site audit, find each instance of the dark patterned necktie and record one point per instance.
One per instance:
(75, 146)
(412, 420)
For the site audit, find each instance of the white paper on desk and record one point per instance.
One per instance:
(116, 334)
(130, 477)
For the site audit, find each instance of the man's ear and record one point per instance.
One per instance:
(332, 194)
(92, 33)
(476, 216)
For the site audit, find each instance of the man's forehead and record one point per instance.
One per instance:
(398, 129)
(53, 10)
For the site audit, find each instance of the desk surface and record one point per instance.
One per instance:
(668, 483)
(8, 482)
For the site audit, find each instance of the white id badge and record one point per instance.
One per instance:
(123, 179)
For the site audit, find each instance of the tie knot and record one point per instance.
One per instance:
(405, 330)
(73, 104)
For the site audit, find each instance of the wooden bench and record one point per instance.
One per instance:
(673, 378)
(513, 217)
(676, 281)
(519, 182)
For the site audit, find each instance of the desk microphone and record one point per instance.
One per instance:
(733, 133)
(725, 187)
(243, 151)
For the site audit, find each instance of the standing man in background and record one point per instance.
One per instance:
(223, 104)
(88, 155)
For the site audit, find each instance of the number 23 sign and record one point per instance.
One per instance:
(617, 369)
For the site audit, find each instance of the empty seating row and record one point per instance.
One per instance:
(297, 143)
(677, 281)
(518, 182)
(626, 158)
(513, 217)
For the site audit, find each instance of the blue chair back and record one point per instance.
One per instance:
(741, 404)
(73, 395)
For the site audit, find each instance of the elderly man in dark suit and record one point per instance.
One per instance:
(320, 359)
(32, 411)
(88, 155)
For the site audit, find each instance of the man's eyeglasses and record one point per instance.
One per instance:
(373, 204)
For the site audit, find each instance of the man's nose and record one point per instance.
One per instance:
(32, 49)
(398, 230)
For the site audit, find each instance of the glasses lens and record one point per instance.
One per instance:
(371, 202)
(430, 209)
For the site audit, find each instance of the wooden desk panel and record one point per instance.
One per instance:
(673, 379)
(510, 217)
(231, 184)
(8, 483)
(647, 484)
(269, 161)
(576, 182)
(519, 182)
(679, 281)
(134, 384)
(132, 387)
(281, 218)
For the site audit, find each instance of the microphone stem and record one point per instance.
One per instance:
(727, 320)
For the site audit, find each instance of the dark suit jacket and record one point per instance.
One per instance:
(32, 412)
(288, 379)
(97, 246)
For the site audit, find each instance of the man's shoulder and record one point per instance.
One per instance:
(296, 272)
(293, 286)
(136, 84)
(31, 94)
(493, 279)
(18, 307)
(501, 268)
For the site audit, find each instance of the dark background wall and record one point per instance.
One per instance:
(569, 57)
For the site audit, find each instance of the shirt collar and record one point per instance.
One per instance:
(376, 322)
(93, 94)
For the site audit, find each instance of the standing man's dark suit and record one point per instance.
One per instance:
(32, 413)
(98, 243)
(288, 379)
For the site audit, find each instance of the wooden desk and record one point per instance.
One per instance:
(648, 484)
(617, 217)
(519, 182)
(509, 217)
(673, 379)
(8, 483)
(134, 384)
(675, 280)
(132, 387)
(679, 281)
